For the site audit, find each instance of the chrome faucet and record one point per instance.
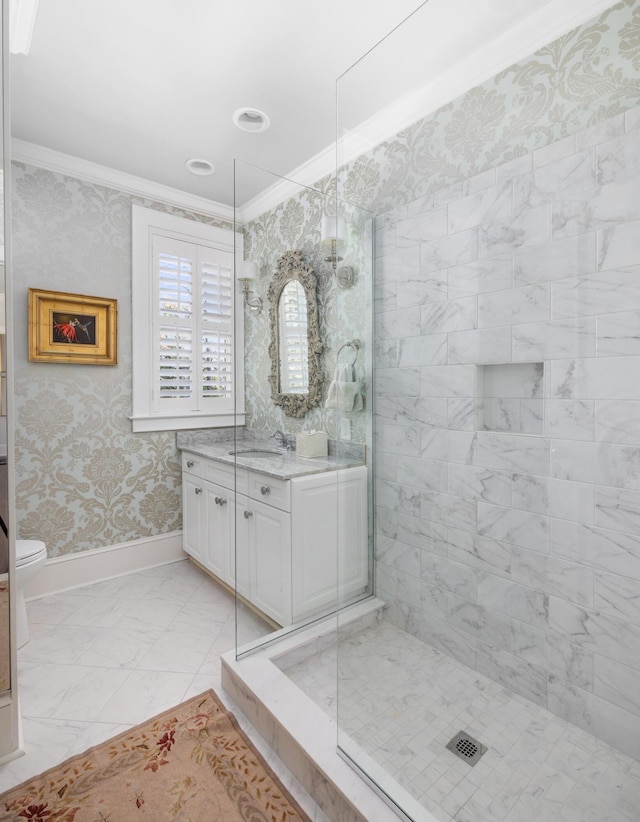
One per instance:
(280, 438)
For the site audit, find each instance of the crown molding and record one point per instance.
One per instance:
(57, 161)
(305, 176)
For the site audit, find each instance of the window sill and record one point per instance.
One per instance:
(181, 423)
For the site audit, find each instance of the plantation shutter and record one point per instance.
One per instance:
(193, 329)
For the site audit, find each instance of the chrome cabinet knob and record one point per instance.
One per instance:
(198, 490)
(265, 490)
(248, 514)
(220, 501)
(190, 463)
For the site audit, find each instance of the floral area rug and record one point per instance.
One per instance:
(189, 764)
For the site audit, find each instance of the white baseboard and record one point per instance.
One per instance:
(70, 571)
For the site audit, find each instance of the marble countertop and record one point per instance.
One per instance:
(283, 465)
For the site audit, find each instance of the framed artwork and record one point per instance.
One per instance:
(72, 328)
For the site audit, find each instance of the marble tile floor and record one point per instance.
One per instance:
(107, 656)
(401, 701)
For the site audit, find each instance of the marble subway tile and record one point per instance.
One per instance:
(402, 499)
(619, 158)
(554, 151)
(427, 474)
(387, 523)
(449, 194)
(569, 661)
(513, 452)
(479, 181)
(526, 228)
(428, 224)
(520, 528)
(451, 446)
(386, 467)
(573, 257)
(461, 414)
(599, 378)
(480, 483)
(610, 551)
(617, 684)
(447, 575)
(598, 716)
(448, 639)
(455, 249)
(487, 555)
(618, 509)
(487, 345)
(490, 203)
(429, 349)
(448, 381)
(570, 419)
(416, 207)
(574, 501)
(618, 246)
(618, 334)
(604, 207)
(422, 534)
(483, 623)
(596, 293)
(518, 601)
(618, 421)
(597, 632)
(551, 575)
(421, 594)
(512, 168)
(398, 265)
(398, 555)
(513, 672)
(432, 288)
(398, 324)
(397, 439)
(596, 462)
(385, 297)
(529, 644)
(398, 382)
(480, 276)
(557, 339)
(452, 315)
(385, 353)
(515, 306)
(562, 177)
(428, 413)
(446, 509)
(617, 596)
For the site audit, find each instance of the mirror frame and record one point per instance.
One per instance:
(291, 266)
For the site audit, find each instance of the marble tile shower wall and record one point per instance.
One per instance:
(519, 554)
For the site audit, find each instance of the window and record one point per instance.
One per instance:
(187, 338)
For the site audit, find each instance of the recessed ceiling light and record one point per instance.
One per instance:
(200, 167)
(251, 119)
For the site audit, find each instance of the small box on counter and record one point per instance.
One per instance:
(311, 444)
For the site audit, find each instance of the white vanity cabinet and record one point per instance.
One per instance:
(276, 540)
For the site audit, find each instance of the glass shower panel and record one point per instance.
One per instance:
(502, 659)
(286, 504)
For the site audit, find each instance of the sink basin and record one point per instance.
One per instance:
(257, 452)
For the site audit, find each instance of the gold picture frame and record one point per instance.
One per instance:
(72, 328)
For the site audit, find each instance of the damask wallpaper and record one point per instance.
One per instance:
(83, 480)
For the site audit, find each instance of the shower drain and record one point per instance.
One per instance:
(466, 747)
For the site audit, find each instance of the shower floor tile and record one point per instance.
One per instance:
(401, 701)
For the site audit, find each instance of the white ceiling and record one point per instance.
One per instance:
(141, 86)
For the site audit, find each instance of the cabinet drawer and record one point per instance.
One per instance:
(227, 475)
(192, 464)
(273, 491)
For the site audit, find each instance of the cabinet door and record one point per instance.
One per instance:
(329, 538)
(193, 517)
(270, 557)
(220, 522)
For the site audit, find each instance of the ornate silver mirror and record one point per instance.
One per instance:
(295, 347)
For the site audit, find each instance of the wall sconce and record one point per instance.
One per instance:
(249, 271)
(333, 231)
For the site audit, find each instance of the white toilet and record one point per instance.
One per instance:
(31, 555)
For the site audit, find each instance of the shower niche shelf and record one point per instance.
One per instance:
(510, 398)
